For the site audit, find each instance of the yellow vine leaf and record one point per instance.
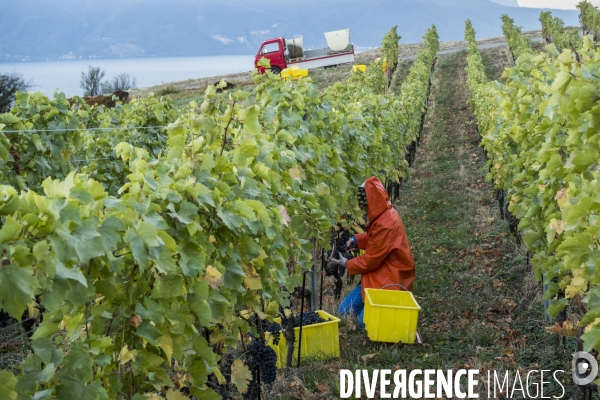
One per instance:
(127, 355)
(589, 327)
(240, 376)
(294, 173)
(33, 310)
(578, 284)
(284, 213)
(173, 394)
(165, 342)
(252, 280)
(213, 276)
(561, 197)
(556, 226)
(322, 189)
(220, 378)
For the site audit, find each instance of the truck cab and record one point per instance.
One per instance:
(274, 51)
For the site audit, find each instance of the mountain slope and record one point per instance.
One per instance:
(510, 3)
(50, 29)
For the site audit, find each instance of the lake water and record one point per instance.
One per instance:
(65, 76)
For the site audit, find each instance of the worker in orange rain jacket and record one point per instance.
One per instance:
(387, 258)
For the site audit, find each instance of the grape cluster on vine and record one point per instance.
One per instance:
(225, 367)
(275, 330)
(264, 358)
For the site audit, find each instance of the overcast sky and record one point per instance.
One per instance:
(564, 4)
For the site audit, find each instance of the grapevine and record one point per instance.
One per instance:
(390, 51)
(543, 153)
(553, 31)
(142, 261)
(50, 138)
(517, 42)
(589, 16)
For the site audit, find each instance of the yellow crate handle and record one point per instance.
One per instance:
(395, 284)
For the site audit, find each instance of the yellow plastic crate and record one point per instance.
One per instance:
(293, 72)
(286, 73)
(318, 340)
(391, 316)
(300, 73)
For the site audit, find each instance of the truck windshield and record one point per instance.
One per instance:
(270, 48)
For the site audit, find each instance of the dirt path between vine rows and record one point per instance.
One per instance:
(481, 306)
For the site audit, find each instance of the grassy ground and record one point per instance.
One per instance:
(495, 61)
(481, 306)
(14, 346)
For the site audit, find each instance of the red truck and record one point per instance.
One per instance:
(284, 53)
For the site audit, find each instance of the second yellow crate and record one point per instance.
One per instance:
(293, 72)
(391, 316)
(318, 340)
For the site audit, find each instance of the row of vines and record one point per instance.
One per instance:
(540, 131)
(517, 42)
(149, 235)
(589, 16)
(553, 31)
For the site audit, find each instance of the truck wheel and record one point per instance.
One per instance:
(276, 70)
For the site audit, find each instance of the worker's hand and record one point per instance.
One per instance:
(339, 261)
(351, 244)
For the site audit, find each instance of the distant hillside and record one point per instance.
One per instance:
(510, 3)
(52, 29)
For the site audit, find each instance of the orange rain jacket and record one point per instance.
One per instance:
(387, 258)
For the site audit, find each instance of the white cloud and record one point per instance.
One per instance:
(258, 33)
(276, 25)
(241, 39)
(222, 39)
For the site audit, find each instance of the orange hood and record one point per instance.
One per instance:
(378, 200)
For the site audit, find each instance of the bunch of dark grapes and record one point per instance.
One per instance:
(225, 366)
(275, 330)
(226, 363)
(263, 357)
(309, 318)
(340, 249)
